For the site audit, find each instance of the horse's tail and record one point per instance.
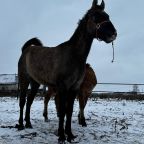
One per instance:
(33, 41)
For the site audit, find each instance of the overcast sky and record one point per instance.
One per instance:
(55, 21)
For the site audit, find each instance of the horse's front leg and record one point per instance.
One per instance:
(69, 110)
(62, 93)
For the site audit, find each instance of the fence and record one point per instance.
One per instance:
(102, 89)
(130, 94)
(135, 88)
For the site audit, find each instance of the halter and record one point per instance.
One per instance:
(98, 25)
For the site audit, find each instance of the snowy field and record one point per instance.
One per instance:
(109, 122)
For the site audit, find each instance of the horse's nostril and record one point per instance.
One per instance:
(114, 36)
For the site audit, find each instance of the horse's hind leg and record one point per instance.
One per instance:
(30, 98)
(23, 82)
(83, 97)
(57, 104)
(47, 97)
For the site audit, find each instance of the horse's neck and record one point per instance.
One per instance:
(81, 42)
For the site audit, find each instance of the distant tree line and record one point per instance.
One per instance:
(118, 96)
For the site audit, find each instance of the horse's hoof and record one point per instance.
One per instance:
(28, 125)
(47, 120)
(61, 140)
(19, 127)
(84, 124)
(71, 137)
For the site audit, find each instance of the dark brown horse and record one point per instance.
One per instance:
(88, 84)
(62, 66)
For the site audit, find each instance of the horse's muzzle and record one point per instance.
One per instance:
(112, 38)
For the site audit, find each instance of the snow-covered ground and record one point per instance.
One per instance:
(109, 122)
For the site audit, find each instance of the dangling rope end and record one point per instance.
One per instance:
(113, 52)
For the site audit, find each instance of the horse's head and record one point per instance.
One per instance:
(99, 24)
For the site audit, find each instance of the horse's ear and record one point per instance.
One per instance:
(102, 5)
(94, 4)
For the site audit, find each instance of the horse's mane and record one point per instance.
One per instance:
(82, 24)
(80, 27)
(34, 41)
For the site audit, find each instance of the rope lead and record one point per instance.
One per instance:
(113, 52)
